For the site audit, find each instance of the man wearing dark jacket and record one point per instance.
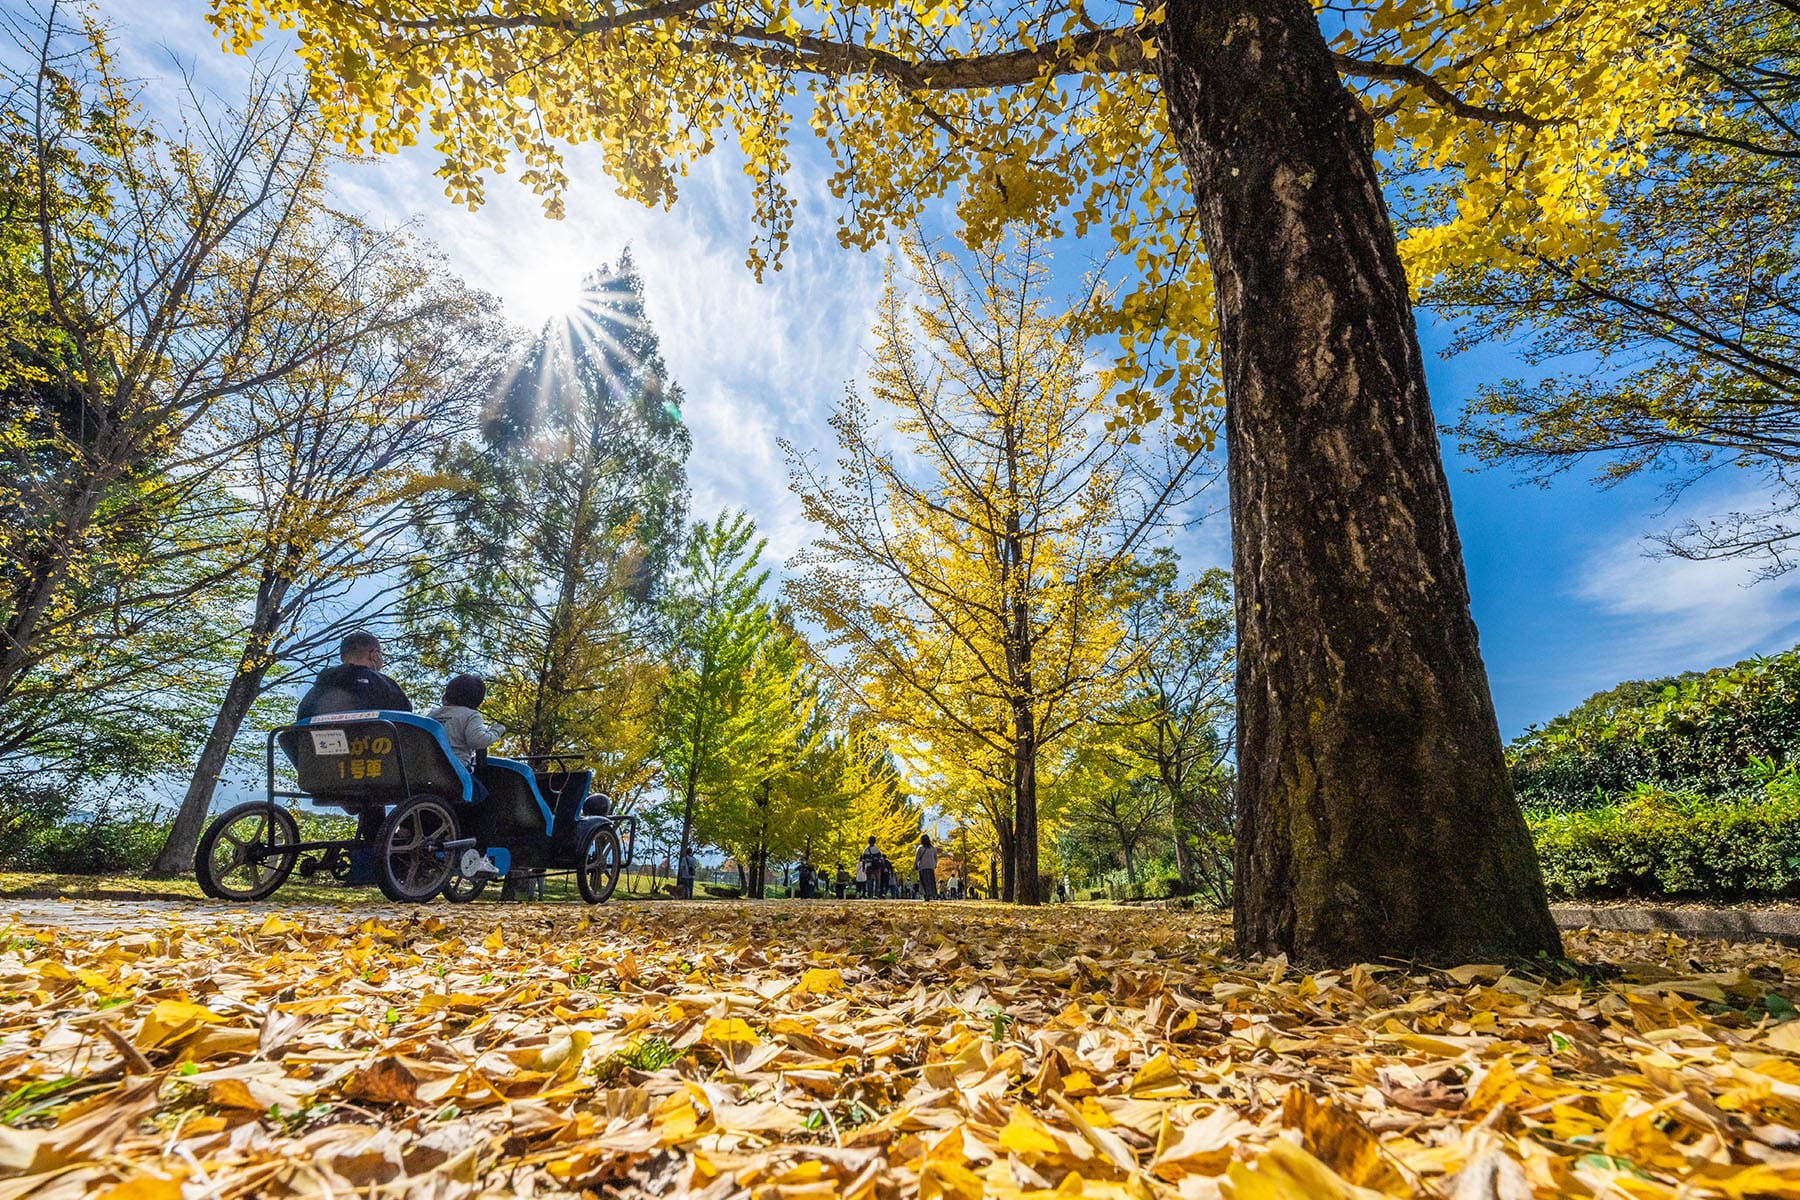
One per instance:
(356, 684)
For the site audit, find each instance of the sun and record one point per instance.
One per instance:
(548, 289)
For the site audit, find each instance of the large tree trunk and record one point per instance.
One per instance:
(1376, 816)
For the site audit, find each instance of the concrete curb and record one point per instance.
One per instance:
(1732, 924)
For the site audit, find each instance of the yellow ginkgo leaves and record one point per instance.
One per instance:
(1502, 120)
(783, 1051)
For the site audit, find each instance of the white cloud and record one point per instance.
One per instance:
(758, 361)
(1674, 614)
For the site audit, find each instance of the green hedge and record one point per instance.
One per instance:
(1658, 844)
(1720, 734)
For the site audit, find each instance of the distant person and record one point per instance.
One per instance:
(685, 871)
(356, 684)
(842, 881)
(873, 860)
(460, 716)
(925, 863)
(806, 880)
(862, 879)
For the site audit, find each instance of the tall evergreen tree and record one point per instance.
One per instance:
(544, 565)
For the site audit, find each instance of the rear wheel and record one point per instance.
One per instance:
(601, 861)
(411, 864)
(233, 862)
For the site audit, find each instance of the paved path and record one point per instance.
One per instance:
(88, 916)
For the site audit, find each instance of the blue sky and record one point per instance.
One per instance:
(1566, 598)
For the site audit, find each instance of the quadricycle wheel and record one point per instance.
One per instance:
(234, 861)
(411, 862)
(601, 862)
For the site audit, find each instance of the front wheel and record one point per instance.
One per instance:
(463, 889)
(411, 864)
(234, 860)
(601, 862)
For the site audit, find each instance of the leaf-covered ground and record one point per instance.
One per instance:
(862, 1050)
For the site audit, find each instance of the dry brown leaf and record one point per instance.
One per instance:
(781, 1050)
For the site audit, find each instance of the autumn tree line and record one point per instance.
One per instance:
(243, 423)
(1281, 186)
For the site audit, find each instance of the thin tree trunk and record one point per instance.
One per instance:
(177, 854)
(1184, 855)
(1003, 831)
(1376, 817)
(1025, 888)
(1172, 782)
(689, 786)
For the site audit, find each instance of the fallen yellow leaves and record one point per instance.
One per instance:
(793, 1051)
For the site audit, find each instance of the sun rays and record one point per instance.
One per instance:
(599, 333)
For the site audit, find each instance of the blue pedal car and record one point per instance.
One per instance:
(423, 824)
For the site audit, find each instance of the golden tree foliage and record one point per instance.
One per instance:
(969, 576)
(1049, 114)
(879, 805)
(1675, 349)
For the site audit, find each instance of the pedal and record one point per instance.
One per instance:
(476, 865)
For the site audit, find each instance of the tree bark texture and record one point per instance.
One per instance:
(1003, 833)
(1376, 816)
(1184, 855)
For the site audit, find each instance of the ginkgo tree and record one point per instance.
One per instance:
(1177, 712)
(1673, 348)
(1230, 150)
(758, 808)
(733, 703)
(970, 560)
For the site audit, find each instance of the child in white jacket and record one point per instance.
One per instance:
(460, 716)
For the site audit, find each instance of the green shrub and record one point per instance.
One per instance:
(118, 835)
(28, 817)
(1717, 734)
(1672, 845)
(1151, 889)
